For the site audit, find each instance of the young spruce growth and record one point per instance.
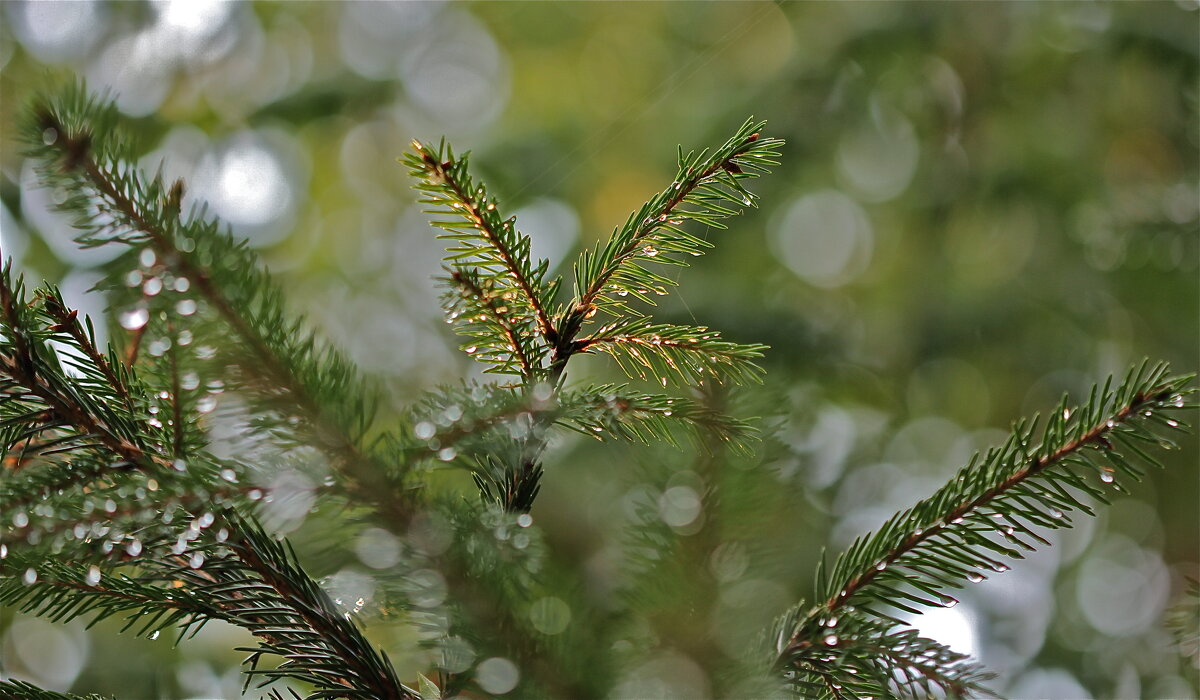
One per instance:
(116, 503)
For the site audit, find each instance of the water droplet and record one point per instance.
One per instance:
(159, 347)
(881, 566)
(975, 577)
(424, 430)
(447, 453)
(831, 622)
(30, 577)
(133, 319)
(147, 258)
(134, 548)
(3, 551)
(49, 135)
(650, 251)
(1173, 423)
(206, 352)
(254, 494)
(524, 520)
(152, 286)
(133, 278)
(154, 635)
(196, 560)
(182, 284)
(949, 602)
(110, 506)
(185, 307)
(1106, 476)
(189, 381)
(206, 519)
(1066, 414)
(1000, 568)
(1056, 513)
(20, 519)
(93, 575)
(831, 640)
(206, 404)
(229, 475)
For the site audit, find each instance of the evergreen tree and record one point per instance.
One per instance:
(115, 502)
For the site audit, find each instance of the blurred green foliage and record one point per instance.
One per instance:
(981, 206)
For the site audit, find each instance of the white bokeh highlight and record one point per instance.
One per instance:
(825, 238)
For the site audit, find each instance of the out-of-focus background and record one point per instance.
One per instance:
(981, 206)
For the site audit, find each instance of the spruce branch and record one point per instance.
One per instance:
(22, 690)
(485, 242)
(487, 315)
(615, 411)
(857, 656)
(78, 405)
(67, 320)
(72, 418)
(63, 591)
(83, 405)
(1183, 621)
(690, 353)
(469, 418)
(995, 506)
(221, 577)
(498, 298)
(708, 183)
(606, 277)
(79, 145)
(250, 580)
(321, 644)
(88, 460)
(511, 482)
